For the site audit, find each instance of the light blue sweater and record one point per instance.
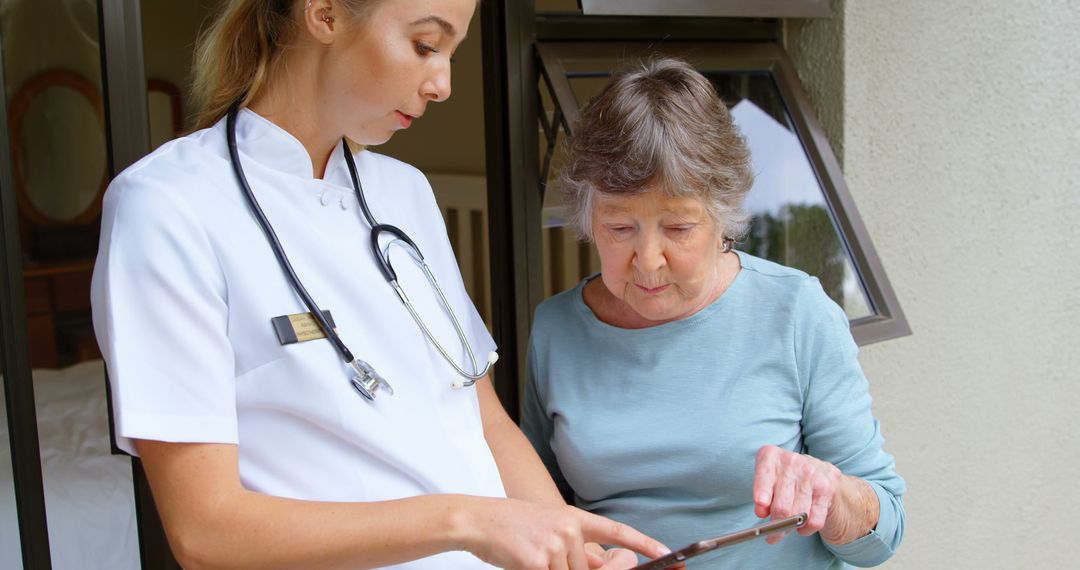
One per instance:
(659, 427)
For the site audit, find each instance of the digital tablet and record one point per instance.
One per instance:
(703, 546)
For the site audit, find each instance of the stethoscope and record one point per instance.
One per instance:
(367, 381)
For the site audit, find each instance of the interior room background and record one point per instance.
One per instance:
(958, 132)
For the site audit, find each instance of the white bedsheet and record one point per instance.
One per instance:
(88, 492)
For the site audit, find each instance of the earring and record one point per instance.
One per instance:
(729, 244)
(325, 16)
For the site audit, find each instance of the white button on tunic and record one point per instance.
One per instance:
(186, 285)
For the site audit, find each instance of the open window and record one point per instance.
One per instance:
(803, 215)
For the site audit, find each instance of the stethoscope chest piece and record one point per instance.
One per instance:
(367, 382)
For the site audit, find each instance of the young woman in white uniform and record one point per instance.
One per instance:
(260, 450)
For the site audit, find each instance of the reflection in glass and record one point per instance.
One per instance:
(88, 491)
(792, 222)
(52, 76)
(10, 547)
(58, 126)
(51, 58)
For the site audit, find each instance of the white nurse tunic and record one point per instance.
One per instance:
(185, 287)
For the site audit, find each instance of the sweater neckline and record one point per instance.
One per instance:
(702, 315)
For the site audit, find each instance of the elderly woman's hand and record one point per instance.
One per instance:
(841, 508)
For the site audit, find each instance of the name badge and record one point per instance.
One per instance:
(300, 327)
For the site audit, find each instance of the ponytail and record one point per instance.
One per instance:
(235, 55)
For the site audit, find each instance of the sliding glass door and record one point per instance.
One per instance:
(65, 499)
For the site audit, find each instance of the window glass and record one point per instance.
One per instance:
(792, 221)
(56, 122)
(10, 547)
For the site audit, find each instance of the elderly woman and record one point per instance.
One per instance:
(692, 389)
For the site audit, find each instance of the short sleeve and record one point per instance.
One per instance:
(160, 316)
(838, 425)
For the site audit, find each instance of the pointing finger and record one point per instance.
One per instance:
(764, 481)
(605, 531)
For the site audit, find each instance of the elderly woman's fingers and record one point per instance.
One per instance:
(804, 494)
(788, 483)
(765, 471)
(819, 509)
(787, 486)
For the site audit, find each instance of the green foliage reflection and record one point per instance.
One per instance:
(802, 237)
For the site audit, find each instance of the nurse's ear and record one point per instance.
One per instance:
(319, 20)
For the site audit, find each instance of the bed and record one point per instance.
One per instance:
(88, 492)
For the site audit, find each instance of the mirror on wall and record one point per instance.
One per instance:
(52, 76)
(57, 123)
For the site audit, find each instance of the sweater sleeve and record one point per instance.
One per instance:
(837, 423)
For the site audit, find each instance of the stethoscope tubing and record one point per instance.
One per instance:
(383, 260)
(275, 244)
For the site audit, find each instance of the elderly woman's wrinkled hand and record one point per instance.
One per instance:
(787, 483)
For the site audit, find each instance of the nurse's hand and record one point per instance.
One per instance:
(840, 507)
(515, 534)
(615, 558)
(611, 559)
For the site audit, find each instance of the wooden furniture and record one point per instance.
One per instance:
(58, 314)
(58, 153)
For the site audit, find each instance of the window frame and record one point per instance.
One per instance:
(709, 8)
(887, 320)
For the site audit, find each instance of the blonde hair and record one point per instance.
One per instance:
(237, 54)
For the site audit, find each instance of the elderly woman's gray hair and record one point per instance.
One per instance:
(660, 126)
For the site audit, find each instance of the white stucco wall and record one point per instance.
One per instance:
(960, 129)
